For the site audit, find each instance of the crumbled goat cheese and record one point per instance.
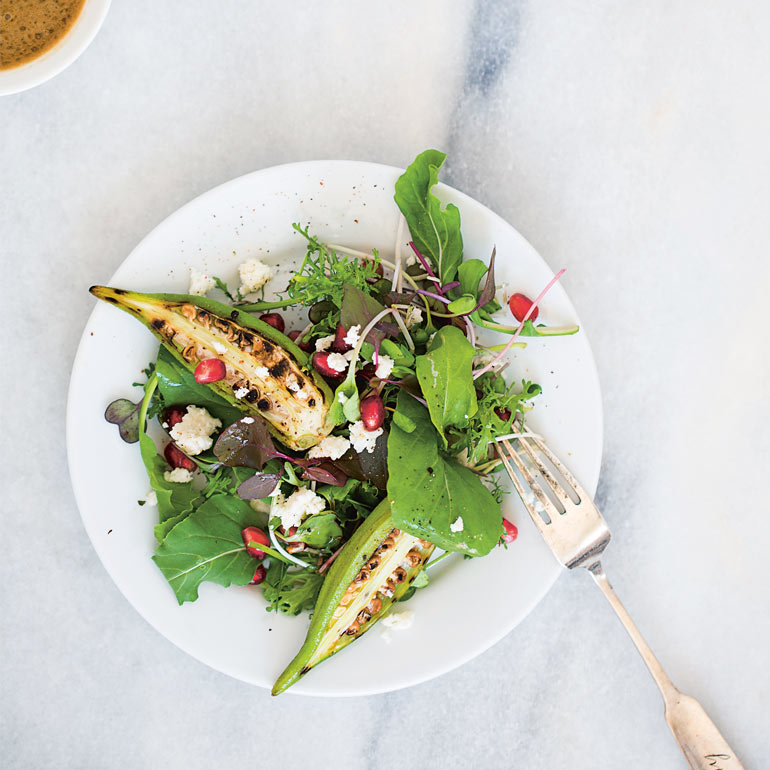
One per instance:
(247, 420)
(254, 274)
(337, 362)
(261, 372)
(193, 433)
(324, 343)
(410, 260)
(178, 475)
(363, 439)
(457, 526)
(292, 384)
(151, 498)
(332, 447)
(299, 505)
(399, 621)
(384, 367)
(220, 348)
(200, 283)
(241, 393)
(353, 335)
(302, 395)
(341, 397)
(413, 316)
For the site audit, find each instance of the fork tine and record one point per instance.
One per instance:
(568, 477)
(556, 488)
(532, 482)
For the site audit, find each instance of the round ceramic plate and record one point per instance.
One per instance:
(470, 604)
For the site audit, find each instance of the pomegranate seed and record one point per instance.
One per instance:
(372, 412)
(173, 415)
(275, 320)
(520, 305)
(210, 370)
(339, 345)
(260, 573)
(304, 345)
(511, 531)
(291, 531)
(503, 414)
(176, 458)
(321, 364)
(254, 535)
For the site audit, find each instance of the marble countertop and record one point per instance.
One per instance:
(628, 143)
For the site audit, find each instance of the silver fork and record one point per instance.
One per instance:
(577, 534)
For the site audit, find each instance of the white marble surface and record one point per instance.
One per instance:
(628, 142)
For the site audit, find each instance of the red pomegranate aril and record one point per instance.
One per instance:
(173, 415)
(210, 370)
(520, 305)
(275, 320)
(176, 458)
(503, 414)
(260, 573)
(511, 531)
(372, 412)
(321, 364)
(305, 345)
(339, 345)
(255, 535)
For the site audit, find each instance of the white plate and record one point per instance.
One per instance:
(470, 604)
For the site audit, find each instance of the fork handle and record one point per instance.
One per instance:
(701, 742)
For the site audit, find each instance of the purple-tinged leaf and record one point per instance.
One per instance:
(325, 473)
(258, 486)
(358, 308)
(245, 443)
(488, 292)
(124, 414)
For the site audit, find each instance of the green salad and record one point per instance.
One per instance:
(330, 464)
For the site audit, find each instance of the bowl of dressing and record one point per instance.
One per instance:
(40, 38)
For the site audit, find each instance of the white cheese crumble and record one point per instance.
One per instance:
(254, 274)
(341, 397)
(178, 476)
(413, 316)
(220, 348)
(410, 260)
(193, 433)
(261, 372)
(332, 447)
(353, 335)
(457, 526)
(298, 506)
(247, 420)
(399, 621)
(151, 498)
(292, 384)
(384, 367)
(363, 439)
(324, 343)
(200, 283)
(337, 362)
(241, 393)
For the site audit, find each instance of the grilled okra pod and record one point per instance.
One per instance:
(373, 570)
(264, 368)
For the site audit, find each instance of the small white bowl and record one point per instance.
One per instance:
(61, 55)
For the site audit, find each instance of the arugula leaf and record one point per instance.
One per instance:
(222, 286)
(350, 411)
(470, 274)
(177, 385)
(435, 231)
(291, 592)
(430, 491)
(207, 546)
(445, 374)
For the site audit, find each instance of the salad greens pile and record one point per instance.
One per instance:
(413, 405)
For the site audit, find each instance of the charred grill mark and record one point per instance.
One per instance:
(108, 298)
(263, 404)
(311, 402)
(304, 671)
(120, 291)
(234, 315)
(267, 347)
(189, 353)
(248, 337)
(252, 396)
(158, 324)
(399, 574)
(279, 369)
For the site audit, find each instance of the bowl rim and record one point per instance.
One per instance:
(61, 55)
